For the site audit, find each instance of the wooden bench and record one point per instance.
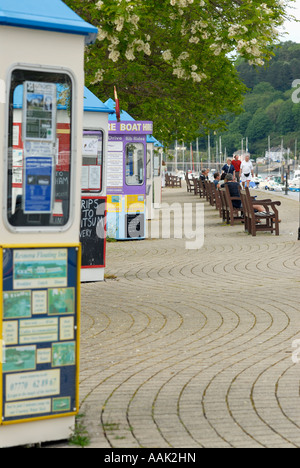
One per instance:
(202, 189)
(189, 183)
(223, 204)
(196, 185)
(175, 181)
(256, 222)
(217, 199)
(233, 214)
(172, 181)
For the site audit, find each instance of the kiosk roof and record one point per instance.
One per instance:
(92, 104)
(50, 15)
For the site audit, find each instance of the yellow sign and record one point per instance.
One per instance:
(114, 203)
(135, 204)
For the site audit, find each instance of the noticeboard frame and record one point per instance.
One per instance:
(77, 320)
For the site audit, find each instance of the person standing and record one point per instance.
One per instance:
(237, 166)
(246, 171)
(228, 167)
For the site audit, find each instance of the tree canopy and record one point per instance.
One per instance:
(173, 60)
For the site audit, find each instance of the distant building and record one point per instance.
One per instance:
(276, 153)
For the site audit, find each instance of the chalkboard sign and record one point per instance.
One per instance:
(62, 185)
(93, 231)
(135, 226)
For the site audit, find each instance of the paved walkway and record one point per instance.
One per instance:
(189, 348)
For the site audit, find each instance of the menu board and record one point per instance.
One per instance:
(39, 332)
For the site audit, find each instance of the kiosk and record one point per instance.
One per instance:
(93, 186)
(126, 176)
(154, 161)
(93, 200)
(40, 253)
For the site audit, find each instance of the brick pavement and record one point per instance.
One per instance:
(193, 348)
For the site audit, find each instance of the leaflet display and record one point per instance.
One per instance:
(39, 136)
(39, 109)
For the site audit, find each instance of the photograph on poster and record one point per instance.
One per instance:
(61, 301)
(63, 354)
(40, 268)
(61, 404)
(19, 358)
(16, 304)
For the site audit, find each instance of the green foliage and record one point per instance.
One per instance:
(283, 69)
(173, 60)
(80, 436)
(269, 108)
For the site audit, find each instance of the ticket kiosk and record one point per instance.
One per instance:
(157, 173)
(40, 255)
(126, 176)
(93, 186)
(154, 160)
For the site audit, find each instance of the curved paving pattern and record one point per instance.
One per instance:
(190, 349)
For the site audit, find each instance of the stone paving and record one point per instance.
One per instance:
(193, 348)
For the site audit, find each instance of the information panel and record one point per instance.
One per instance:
(38, 181)
(39, 322)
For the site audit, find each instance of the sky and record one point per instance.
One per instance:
(293, 28)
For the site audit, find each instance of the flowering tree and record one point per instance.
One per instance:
(173, 60)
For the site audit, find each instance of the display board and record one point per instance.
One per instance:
(93, 231)
(39, 324)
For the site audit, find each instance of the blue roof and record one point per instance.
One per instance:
(151, 139)
(125, 117)
(50, 15)
(90, 102)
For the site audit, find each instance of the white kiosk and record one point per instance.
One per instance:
(93, 186)
(40, 253)
(154, 161)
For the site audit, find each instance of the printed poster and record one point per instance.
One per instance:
(39, 374)
(40, 111)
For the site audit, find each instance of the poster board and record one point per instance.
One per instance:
(39, 137)
(39, 325)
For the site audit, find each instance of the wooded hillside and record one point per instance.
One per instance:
(269, 107)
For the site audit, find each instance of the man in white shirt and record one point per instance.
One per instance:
(246, 171)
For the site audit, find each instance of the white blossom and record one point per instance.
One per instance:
(98, 76)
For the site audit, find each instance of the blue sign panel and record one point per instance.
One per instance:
(38, 179)
(39, 331)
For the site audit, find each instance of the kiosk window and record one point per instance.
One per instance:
(135, 164)
(39, 149)
(92, 161)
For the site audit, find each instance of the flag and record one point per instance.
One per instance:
(117, 106)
